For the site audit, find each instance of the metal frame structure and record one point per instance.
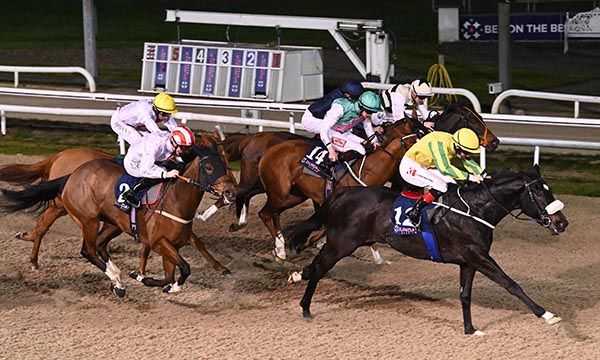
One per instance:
(376, 39)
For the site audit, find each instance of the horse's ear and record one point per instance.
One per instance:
(535, 170)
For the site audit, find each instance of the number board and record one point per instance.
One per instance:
(212, 70)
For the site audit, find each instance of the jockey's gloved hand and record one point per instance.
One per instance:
(476, 178)
(171, 174)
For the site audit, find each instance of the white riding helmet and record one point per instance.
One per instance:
(421, 88)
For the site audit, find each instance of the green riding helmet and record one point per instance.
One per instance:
(370, 101)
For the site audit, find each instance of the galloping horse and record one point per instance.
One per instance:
(361, 216)
(286, 184)
(61, 164)
(88, 197)
(249, 149)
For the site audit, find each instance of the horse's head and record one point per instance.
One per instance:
(214, 174)
(403, 129)
(455, 118)
(538, 202)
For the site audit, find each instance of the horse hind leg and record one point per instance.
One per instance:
(242, 204)
(90, 252)
(42, 226)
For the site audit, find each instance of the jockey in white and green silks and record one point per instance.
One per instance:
(336, 131)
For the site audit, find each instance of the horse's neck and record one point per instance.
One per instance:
(506, 197)
(447, 123)
(379, 166)
(182, 197)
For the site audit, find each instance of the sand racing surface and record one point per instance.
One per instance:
(409, 309)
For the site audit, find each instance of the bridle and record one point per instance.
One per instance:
(204, 181)
(543, 213)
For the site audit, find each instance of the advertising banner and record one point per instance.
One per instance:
(235, 73)
(210, 74)
(260, 79)
(160, 77)
(185, 70)
(523, 27)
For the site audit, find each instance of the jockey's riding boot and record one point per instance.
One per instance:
(326, 167)
(414, 213)
(349, 155)
(130, 195)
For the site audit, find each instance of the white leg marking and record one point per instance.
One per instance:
(207, 213)
(243, 215)
(479, 333)
(280, 246)
(114, 274)
(140, 277)
(551, 318)
(175, 288)
(294, 277)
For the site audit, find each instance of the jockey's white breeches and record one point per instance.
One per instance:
(311, 123)
(415, 174)
(125, 132)
(347, 141)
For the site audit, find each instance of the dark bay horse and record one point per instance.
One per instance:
(286, 184)
(61, 164)
(249, 149)
(88, 197)
(361, 216)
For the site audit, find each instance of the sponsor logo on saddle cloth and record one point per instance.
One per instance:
(126, 182)
(404, 227)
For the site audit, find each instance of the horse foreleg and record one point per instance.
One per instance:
(170, 254)
(488, 267)
(199, 246)
(328, 256)
(140, 274)
(467, 273)
(242, 204)
(169, 270)
(42, 226)
(208, 213)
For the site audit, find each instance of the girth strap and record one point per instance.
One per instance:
(173, 217)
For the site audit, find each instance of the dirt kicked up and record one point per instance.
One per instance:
(406, 309)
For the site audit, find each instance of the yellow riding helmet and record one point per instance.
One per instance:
(467, 140)
(164, 102)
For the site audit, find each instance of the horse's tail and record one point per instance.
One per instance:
(234, 146)
(37, 195)
(23, 173)
(298, 234)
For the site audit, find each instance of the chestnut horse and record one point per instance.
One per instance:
(88, 197)
(249, 149)
(286, 184)
(361, 216)
(61, 164)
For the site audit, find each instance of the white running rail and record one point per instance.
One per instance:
(545, 95)
(50, 69)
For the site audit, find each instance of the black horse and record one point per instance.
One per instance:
(361, 216)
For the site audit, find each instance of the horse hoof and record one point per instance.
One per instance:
(35, 267)
(120, 293)
(235, 227)
(306, 314)
(21, 236)
(167, 288)
(294, 277)
(137, 276)
(225, 273)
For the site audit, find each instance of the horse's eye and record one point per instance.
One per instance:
(209, 169)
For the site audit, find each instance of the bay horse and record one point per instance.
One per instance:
(88, 197)
(286, 184)
(361, 216)
(249, 149)
(64, 163)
